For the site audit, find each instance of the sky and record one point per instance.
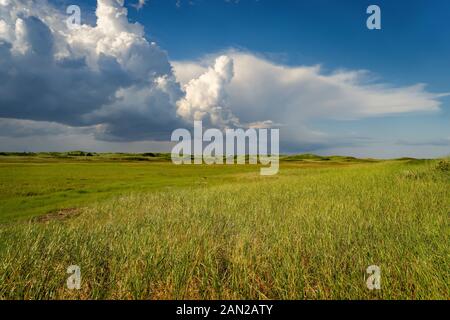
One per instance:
(137, 70)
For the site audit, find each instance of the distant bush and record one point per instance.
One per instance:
(134, 159)
(306, 156)
(79, 154)
(18, 154)
(443, 165)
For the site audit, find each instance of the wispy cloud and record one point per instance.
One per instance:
(140, 4)
(421, 142)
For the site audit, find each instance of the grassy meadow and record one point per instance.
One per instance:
(142, 228)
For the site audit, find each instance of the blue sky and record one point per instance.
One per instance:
(412, 47)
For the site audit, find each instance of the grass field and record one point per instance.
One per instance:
(142, 228)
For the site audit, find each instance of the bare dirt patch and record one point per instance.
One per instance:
(58, 215)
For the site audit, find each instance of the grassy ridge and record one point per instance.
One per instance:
(40, 185)
(309, 232)
(32, 184)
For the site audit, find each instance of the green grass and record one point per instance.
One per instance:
(152, 230)
(35, 186)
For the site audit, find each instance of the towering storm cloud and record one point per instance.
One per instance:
(206, 98)
(108, 76)
(262, 93)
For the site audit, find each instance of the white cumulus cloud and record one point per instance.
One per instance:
(205, 97)
(261, 91)
(107, 74)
